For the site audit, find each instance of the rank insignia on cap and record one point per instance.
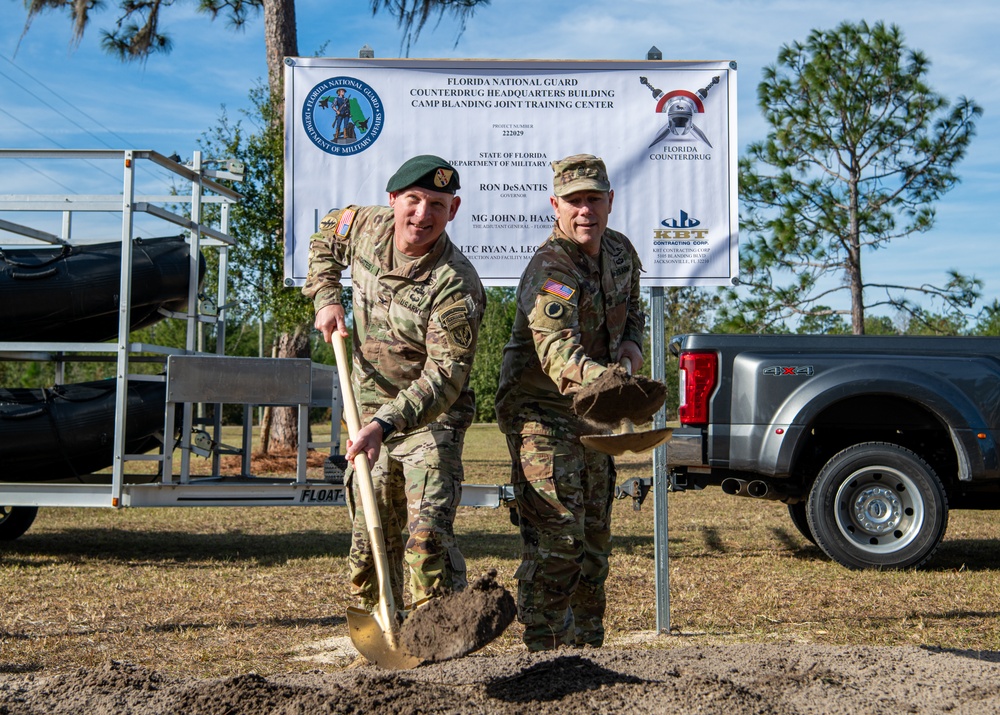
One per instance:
(558, 289)
(346, 219)
(442, 177)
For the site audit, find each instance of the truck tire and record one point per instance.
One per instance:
(15, 520)
(800, 518)
(878, 505)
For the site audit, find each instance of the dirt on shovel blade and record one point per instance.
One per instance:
(616, 396)
(458, 624)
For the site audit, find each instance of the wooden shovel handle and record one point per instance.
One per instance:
(386, 603)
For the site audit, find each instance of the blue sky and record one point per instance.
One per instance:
(53, 93)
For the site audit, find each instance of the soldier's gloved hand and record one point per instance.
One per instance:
(368, 440)
(330, 318)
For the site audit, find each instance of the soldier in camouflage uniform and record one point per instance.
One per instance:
(578, 310)
(418, 304)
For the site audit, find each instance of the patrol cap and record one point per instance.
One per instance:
(426, 171)
(580, 172)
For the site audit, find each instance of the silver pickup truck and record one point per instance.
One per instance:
(869, 440)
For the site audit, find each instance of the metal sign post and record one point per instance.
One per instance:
(658, 369)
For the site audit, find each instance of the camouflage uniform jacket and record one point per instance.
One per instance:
(573, 313)
(415, 325)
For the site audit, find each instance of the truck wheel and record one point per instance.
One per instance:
(801, 519)
(15, 520)
(878, 505)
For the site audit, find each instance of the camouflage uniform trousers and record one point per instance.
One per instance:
(563, 493)
(418, 487)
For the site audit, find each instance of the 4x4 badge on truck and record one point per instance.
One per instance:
(778, 370)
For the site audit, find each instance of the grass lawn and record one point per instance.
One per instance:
(221, 591)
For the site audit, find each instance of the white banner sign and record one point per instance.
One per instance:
(666, 130)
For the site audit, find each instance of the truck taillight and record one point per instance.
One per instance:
(697, 380)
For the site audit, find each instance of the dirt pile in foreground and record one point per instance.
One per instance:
(776, 679)
(459, 623)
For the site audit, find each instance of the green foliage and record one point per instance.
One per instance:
(257, 221)
(688, 309)
(988, 321)
(880, 325)
(824, 321)
(859, 149)
(412, 15)
(137, 32)
(924, 322)
(501, 307)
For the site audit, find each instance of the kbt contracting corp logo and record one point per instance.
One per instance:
(684, 228)
(343, 116)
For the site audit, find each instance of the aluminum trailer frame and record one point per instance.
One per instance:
(193, 377)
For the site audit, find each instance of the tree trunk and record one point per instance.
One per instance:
(280, 41)
(857, 286)
(267, 418)
(285, 420)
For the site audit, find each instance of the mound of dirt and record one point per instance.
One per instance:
(774, 679)
(616, 396)
(459, 623)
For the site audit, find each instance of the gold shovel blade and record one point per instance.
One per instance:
(618, 444)
(375, 644)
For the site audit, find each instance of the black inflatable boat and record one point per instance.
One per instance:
(63, 432)
(70, 293)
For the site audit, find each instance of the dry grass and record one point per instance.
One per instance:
(222, 591)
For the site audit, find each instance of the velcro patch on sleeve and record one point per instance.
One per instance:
(455, 320)
(560, 290)
(328, 223)
(550, 314)
(346, 219)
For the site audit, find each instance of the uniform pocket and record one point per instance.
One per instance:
(538, 503)
(540, 494)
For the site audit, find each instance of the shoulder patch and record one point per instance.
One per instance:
(553, 310)
(560, 290)
(551, 313)
(346, 219)
(455, 320)
(328, 222)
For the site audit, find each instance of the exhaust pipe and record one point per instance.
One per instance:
(735, 487)
(756, 489)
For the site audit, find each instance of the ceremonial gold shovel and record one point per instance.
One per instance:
(375, 635)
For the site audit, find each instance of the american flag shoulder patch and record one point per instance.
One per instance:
(558, 289)
(344, 225)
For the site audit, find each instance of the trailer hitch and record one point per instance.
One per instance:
(637, 488)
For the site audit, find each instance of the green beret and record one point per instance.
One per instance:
(580, 172)
(427, 172)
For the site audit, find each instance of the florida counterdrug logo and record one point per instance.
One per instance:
(680, 137)
(343, 116)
